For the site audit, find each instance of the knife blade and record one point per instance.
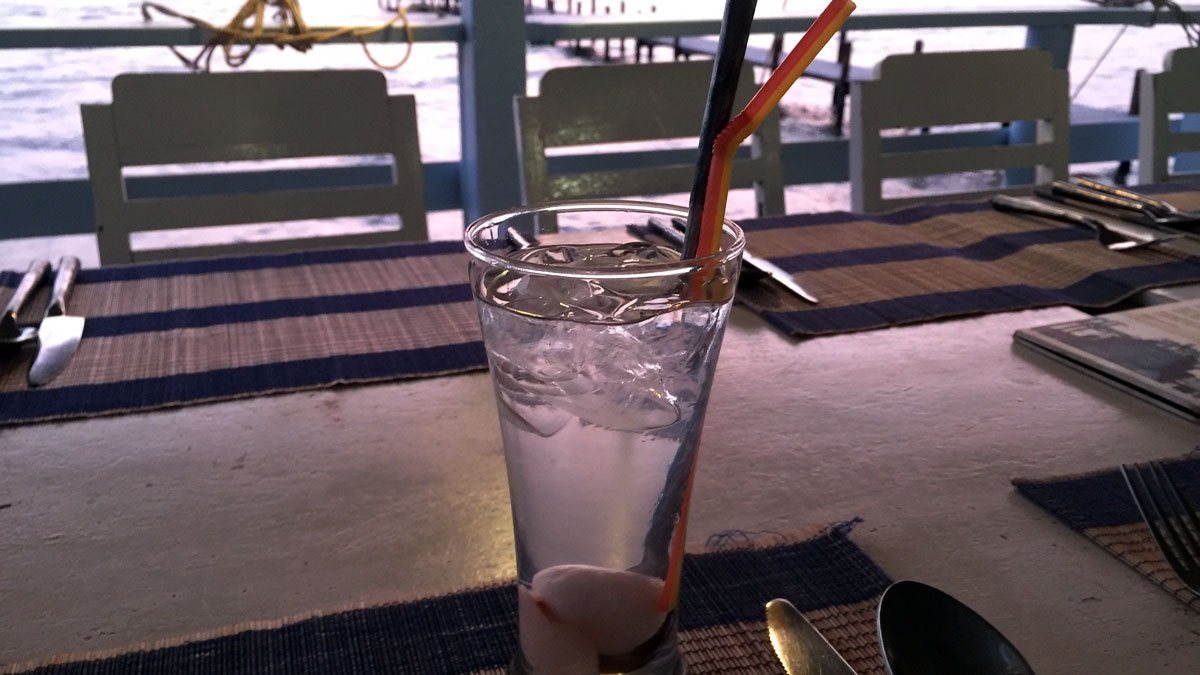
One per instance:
(10, 332)
(800, 647)
(59, 333)
(761, 265)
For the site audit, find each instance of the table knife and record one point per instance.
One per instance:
(1157, 206)
(518, 240)
(1128, 210)
(59, 334)
(10, 332)
(761, 265)
(800, 647)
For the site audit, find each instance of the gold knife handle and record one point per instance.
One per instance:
(64, 281)
(29, 283)
(1160, 207)
(1099, 198)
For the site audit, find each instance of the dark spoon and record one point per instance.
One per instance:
(924, 631)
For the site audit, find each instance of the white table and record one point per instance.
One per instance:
(147, 526)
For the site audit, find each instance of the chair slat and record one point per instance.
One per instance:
(951, 88)
(173, 118)
(584, 105)
(595, 105)
(165, 213)
(647, 181)
(924, 90)
(164, 118)
(272, 246)
(1175, 90)
(932, 162)
(1185, 142)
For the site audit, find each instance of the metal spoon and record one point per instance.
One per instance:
(800, 647)
(923, 631)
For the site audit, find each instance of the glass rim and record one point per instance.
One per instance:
(664, 269)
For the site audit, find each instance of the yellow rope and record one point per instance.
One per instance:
(292, 32)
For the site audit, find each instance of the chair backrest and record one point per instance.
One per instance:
(923, 90)
(629, 103)
(184, 118)
(1175, 90)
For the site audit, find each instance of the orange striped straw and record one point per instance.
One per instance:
(670, 595)
(763, 102)
(724, 145)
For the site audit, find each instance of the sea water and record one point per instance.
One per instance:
(41, 89)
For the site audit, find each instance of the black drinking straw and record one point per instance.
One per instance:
(727, 66)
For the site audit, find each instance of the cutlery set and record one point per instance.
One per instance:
(1172, 521)
(1109, 238)
(924, 631)
(1081, 203)
(921, 631)
(10, 332)
(58, 334)
(1129, 206)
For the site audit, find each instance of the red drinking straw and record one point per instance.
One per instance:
(763, 102)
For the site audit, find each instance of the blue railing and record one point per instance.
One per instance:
(492, 38)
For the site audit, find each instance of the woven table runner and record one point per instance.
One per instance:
(938, 261)
(722, 623)
(1098, 505)
(169, 334)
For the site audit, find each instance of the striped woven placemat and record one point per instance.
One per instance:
(939, 261)
(174, 333)
(1098, 505)
(722, 622)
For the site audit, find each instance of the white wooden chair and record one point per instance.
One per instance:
(593, 105)
(1175, 90)
(923, 90)
(160, 119)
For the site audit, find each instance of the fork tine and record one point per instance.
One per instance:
(1151, 512)
(1156, 510)
(1185, 523)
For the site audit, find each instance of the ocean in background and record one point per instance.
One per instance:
(41, 89)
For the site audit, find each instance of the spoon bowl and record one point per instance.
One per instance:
(924, 631)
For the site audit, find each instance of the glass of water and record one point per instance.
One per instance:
(602, 351)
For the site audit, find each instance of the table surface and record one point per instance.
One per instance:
(147, 526)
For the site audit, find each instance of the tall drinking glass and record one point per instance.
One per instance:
(602, 352)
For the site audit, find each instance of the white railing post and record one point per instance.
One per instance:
(1057, 40)
(491, 71)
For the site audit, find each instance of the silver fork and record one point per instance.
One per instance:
(1111, 240)
(1172, 521)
